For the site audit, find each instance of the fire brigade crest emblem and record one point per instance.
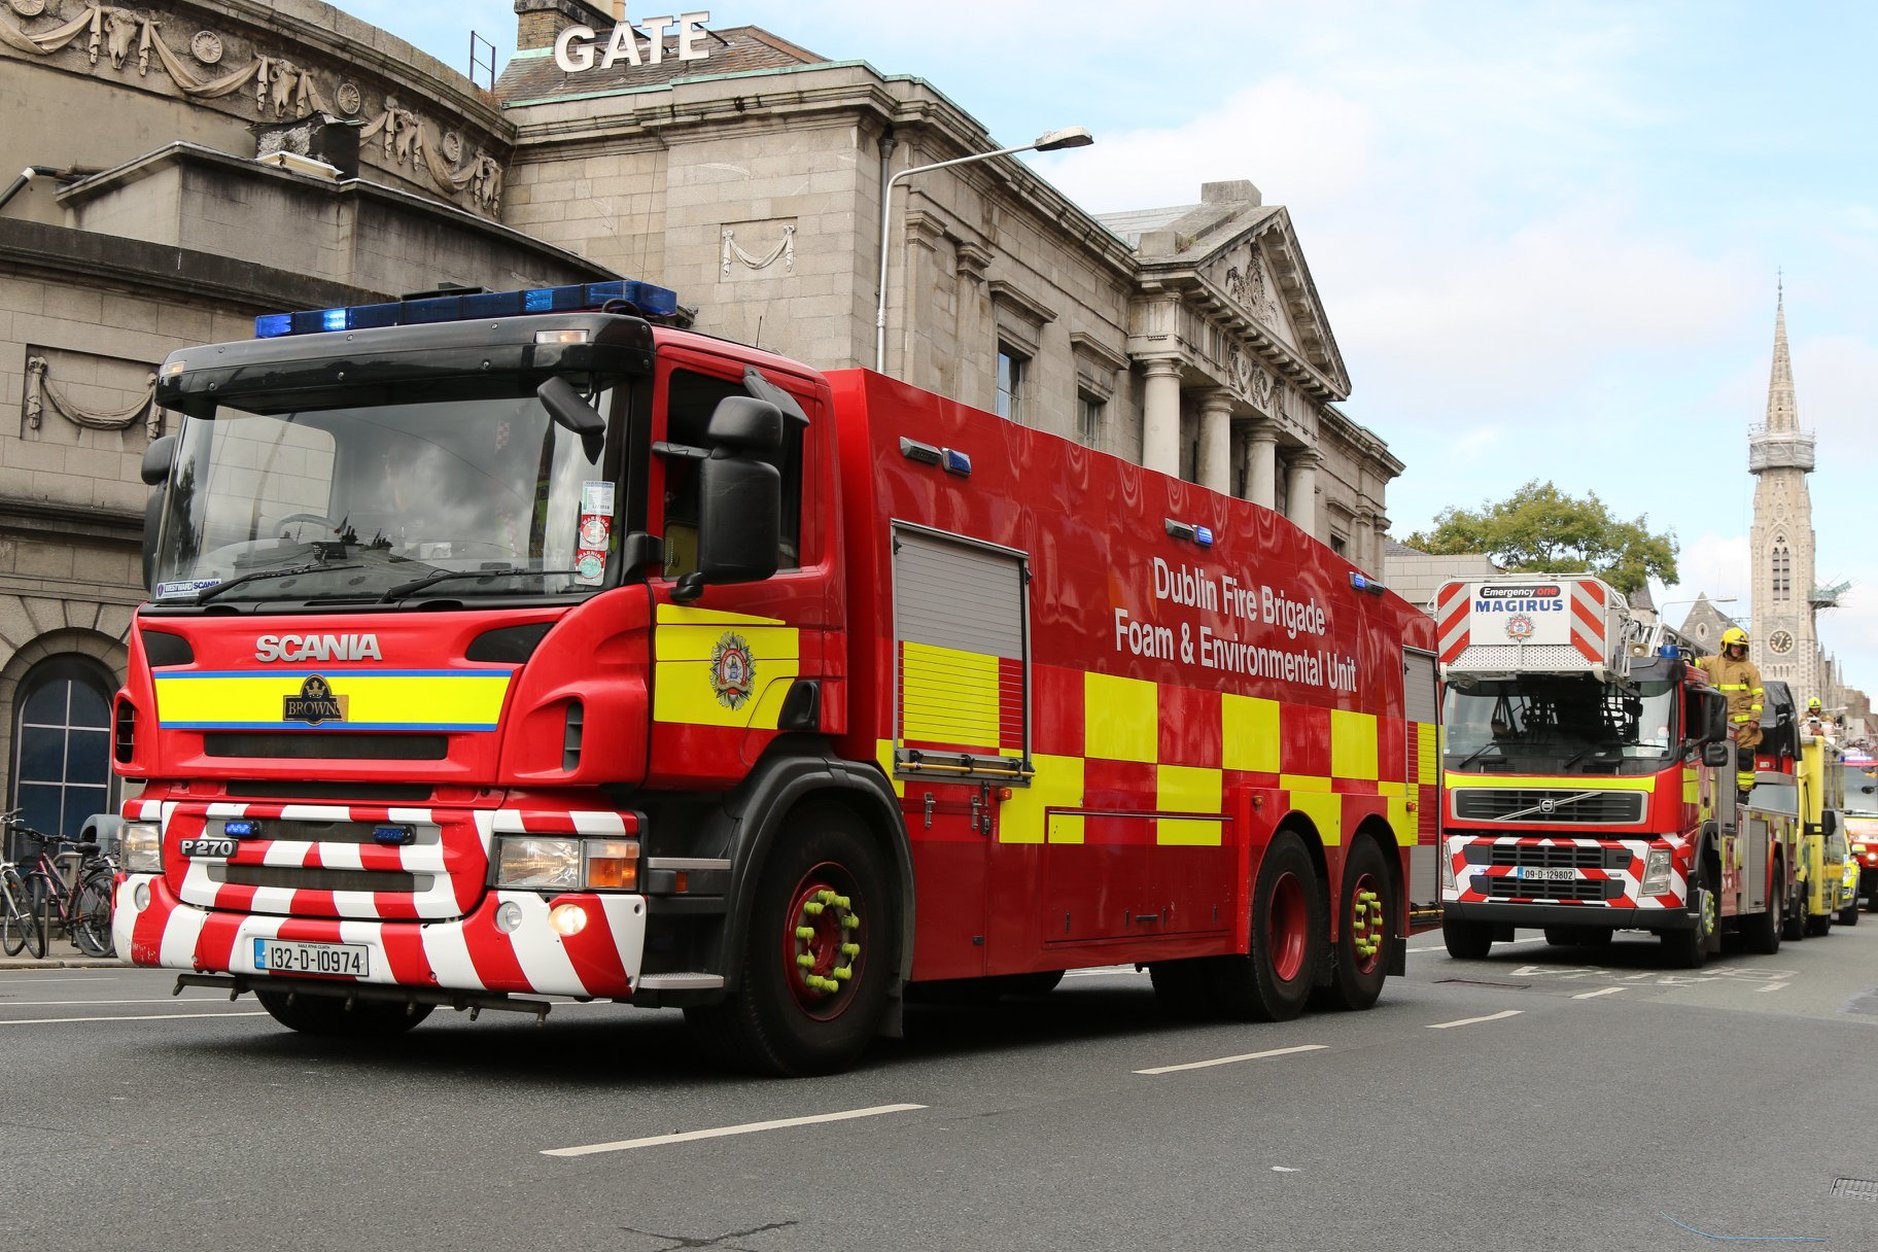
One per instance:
(733, 670)
(1519, 627)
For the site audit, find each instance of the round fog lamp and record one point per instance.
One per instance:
(567, 919)
(509, 917)
(142, 896)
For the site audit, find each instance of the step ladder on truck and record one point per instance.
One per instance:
(1588, 782)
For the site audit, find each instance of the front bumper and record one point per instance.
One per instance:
(1656, 921)
(470, 953)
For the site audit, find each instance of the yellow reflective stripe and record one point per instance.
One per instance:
(462, 700)
(1731, 687)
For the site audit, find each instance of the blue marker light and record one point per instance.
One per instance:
(273, 325)
(1203, 535)
(241, 828)
(392, 836)
(957, 462)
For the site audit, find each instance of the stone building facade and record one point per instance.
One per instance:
(198, 162)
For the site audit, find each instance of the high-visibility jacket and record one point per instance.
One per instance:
(1740, 681)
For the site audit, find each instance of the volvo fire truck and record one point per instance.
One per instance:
(510, 646)
(1589, 784)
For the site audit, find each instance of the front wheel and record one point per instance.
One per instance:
(1365, 909)
(1687, 949)
(1762, 932)
(1848, 916)
(15, 915)
(91, 916)
(1466, 941)
(819, 955)
(1273, 982)
(333, 1016)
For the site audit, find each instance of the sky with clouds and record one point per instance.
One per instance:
(1547, 235)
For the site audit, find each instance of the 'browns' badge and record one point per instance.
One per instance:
(733, 671)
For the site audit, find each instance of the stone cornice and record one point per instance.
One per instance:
(1198, 294)
(35, 517)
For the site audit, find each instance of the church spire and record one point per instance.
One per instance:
(1782, 411)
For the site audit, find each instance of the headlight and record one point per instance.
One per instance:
(567, 863)
(538, 863)
(1448, 882)
(140, 847)
(1656, 872)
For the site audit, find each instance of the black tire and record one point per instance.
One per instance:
(91, 916)
(1466, 941)
(1793, 918)
(1688, 949)
(827, 876)
(1183, 989)
(35, 908)
(1848, 916)
(1359, 959)
(15, 917)
(1273, 982)
(1761, 933)
(1561, 936)
(330, 1016)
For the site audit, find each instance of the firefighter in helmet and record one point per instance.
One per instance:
(1737, 678)
(1816, 722)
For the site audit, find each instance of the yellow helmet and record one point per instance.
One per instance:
(1734, 635)
(1813, 703)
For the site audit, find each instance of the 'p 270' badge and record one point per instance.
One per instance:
(207, 849)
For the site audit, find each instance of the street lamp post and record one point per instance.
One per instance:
(1068, 137)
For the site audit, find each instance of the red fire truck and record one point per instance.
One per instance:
(510, 645)
(1589, 785)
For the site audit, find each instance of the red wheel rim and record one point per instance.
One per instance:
(824, 940)
(1287, 928)
(1365, 925)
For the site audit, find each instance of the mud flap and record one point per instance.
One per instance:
(1398, 957)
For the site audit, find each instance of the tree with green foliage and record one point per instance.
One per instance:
(1540, 529)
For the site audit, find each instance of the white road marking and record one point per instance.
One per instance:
(50, 1004)
(1498, 943)
(748, 1128)
(1772, 986)
(1475, 1021)
(34, 978)
(1602, 991)
(1233, 1060)
(148, 1017)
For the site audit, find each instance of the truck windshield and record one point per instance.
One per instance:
(1569, 724)
(1861, 788)
(459, 498)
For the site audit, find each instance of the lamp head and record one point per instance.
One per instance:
(1068, 137)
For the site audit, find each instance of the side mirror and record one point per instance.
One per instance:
(570, 411)
(1828, 823)
(747, 423)
(1717, 753)
(1714, 716)
(152, 518)
(158, 459)
(739, 519)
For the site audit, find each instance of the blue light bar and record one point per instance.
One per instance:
(624, 295)
(241, 828)
(1364, 583)
(957, 462)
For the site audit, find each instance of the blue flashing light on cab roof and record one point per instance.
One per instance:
(623, 295)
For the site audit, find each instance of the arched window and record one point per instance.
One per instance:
(62, 744)
(1783, 570)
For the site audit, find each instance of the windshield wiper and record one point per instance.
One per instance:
(209, 593)
(1481, 751)
(402, 590)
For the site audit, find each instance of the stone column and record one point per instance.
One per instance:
(1215, 462)
(1262, 473)
(1301, 490)
(1160, 426)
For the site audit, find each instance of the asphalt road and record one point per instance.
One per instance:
(1533, 1100)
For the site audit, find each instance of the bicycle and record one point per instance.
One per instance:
(19, 926)
(70, 887)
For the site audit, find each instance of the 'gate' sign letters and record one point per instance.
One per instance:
(574, 47)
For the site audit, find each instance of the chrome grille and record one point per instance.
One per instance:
(1545, 856)
(1577, 808)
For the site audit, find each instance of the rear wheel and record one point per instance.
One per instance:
(335, 1017)
(1466, 941)
(1848, 916)
(1365, 909)
(1761, 933)
(91, 916)
(1273, 981)
(1793, 918)
(818, 957)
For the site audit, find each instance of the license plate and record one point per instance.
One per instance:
(286, 956)
(207, 849)
(1546, 873)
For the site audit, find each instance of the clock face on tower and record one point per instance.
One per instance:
(1780, 642)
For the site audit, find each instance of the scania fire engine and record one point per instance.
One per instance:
(505, 646)
(1589, 783)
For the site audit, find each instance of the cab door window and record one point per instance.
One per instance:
(691, 398)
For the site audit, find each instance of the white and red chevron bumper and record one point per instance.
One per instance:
(472, 953)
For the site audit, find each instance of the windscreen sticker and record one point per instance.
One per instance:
(187, 587)
(595, 533)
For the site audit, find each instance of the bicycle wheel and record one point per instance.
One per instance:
(91, 916)
(36, 904)
(15, 917)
